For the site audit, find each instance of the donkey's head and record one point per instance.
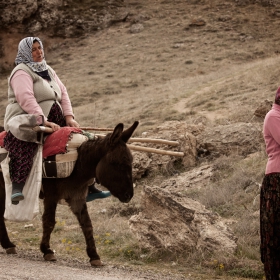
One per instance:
(114, 171)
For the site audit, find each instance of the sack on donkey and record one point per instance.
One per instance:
(59, 166)
(60, 152)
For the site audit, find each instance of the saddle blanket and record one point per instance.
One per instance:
(59, 151)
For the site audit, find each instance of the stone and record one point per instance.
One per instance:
(172, 221)
(141, 162)
(263, 108)
(136, 28)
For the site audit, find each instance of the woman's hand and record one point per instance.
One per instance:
(71, 122)
(54, 126)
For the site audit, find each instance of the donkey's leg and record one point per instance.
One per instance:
(79, 208)
(48, 220)
(4, 238)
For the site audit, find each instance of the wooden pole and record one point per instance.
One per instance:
(45, 129)
(148, 140)
(156, 151)
(49, 129)
(152, 140)
(97, 128)
(132, 147)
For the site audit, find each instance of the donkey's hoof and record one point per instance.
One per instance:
(96, 263)
(50, 258)
(11, 250)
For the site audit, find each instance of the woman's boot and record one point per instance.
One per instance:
(17, 195)
(94, 193)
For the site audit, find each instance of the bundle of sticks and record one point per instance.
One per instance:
(132, 147)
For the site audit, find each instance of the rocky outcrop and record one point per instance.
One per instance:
(141, 162)
(237, 138)
(169, 219)
(62, 18)
(196, 142)
(262, 2)
(144, 163)
(16, 11)
(53, 19)
(172, 221)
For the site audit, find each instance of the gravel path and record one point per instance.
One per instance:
(19, 267)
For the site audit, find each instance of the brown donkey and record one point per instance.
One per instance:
(109, 161)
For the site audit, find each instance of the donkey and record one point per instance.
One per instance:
(109, 161)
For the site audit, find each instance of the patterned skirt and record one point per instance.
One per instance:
(270, 225)
(21, 153)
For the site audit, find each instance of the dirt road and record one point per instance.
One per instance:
(21, 267)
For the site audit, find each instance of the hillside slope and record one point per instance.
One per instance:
(168, 69)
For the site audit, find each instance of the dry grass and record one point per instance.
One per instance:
(215, 96)
(234, 195)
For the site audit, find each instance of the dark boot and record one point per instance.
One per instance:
(94, 193)
(17, 195)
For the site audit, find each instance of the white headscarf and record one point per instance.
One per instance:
(24, 54)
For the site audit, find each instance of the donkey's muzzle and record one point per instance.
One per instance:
(126, 197)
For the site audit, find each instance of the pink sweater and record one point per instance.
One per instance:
(22, 85)
(271, 132)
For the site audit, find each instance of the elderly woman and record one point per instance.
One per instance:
(35, 89)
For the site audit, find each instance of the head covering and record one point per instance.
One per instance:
(277, 96)
(24, 55)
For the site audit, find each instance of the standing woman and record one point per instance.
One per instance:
(34, 89)
(270, 194)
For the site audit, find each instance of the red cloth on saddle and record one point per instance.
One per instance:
(55, 143)
(2, 136)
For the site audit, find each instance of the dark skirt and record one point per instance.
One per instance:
(21, 153)
(270, 225)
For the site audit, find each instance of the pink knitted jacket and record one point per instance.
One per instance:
(271, 133)
(22, 85)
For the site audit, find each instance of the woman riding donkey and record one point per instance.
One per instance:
(35, 90)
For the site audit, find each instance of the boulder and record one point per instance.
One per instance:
(172, 221)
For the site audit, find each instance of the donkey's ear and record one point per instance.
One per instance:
(117, 133)
(128, 132)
